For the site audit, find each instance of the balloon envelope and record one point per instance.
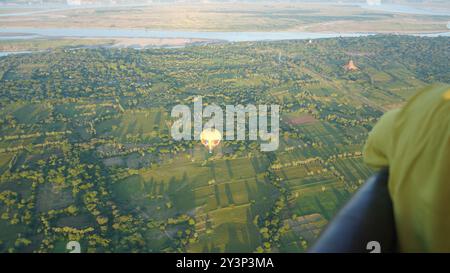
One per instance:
(210, 138)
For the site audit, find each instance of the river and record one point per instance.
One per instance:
(32, 33)
(144, 33)
(210, 35)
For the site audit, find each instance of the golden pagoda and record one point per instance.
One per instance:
(351, 66)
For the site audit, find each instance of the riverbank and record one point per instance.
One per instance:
(35, 40)
(39, 43)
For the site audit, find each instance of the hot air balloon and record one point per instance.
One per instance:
(210, 138)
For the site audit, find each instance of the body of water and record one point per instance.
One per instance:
(143, 33)
(210, 35)
(6, 53)
(32, 33)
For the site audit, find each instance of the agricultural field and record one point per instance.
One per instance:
(309, 16)
(86, 151)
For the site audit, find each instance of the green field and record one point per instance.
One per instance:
(86, 152)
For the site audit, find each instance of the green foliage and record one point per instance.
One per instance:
(86, 154)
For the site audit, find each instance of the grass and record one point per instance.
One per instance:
(145, 124)
(9, 234)
(5, 158)
(46, 44)
(233, 232)
(49, 198)
(353, 169)
(324, 202)
(78, 222)
(32, 113)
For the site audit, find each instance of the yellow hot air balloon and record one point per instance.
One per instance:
(210, 138)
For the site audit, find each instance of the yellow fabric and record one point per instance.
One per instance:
(414, 142)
